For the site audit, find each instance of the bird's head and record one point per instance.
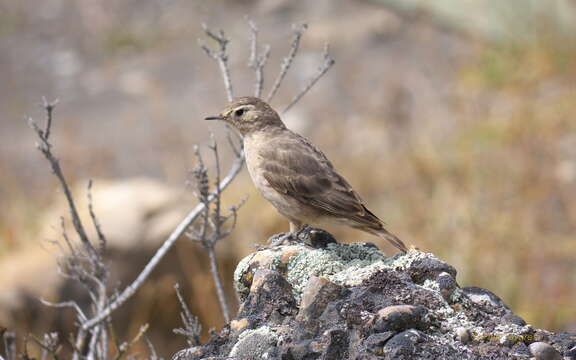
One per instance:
(249, 114)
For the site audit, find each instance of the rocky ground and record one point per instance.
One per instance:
(351, 301)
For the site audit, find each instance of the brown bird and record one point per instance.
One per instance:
(294, 175)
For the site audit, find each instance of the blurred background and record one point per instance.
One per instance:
(454, 120)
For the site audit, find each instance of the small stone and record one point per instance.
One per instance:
(402, 346)
(302, 350)
(520, 350)
(429, 268)
(512, 318)
(376, 342)
(463, 335)
(400, 317)
(447, 285)
(270, 294)
(252, 344)
(337, 345)
(239, 324)
(484, 297)
(317, 294)
(544, 351)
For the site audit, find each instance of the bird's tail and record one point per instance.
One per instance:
(393, 240)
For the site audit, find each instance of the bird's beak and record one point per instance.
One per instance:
(218, 117)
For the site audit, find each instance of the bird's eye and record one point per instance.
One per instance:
(239, 112)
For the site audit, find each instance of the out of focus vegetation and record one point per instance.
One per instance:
(461, 138)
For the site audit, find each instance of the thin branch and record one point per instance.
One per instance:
(257, 61)
(168, 243)
(153, 353)
(221, 57)
(66, 304)
(95, 222)
(45, 148)
(49, 106)
(218, 283)
(327, 63)
(287, 62)
(9, 338)
(192, 326)
(50, 345)
(125, 346)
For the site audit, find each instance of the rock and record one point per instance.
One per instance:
(239, 325)
(463, 335)
(270, 294)
(337, 347)
(402, 346)
(317, 294)
(375, 342)
(543, 351)
(254, 344)
(446, 284)
(483, 297)
(350, 301)
(400, 317)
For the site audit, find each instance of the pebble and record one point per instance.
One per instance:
(543, 351)
(400, 317)
(463, 335)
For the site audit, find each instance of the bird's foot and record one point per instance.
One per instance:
(314, 237)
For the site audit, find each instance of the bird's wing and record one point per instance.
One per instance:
(294, 167)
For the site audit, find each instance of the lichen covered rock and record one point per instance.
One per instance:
(351, 301)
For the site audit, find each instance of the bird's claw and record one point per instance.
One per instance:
(314, 237)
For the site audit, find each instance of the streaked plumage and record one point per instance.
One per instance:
(294, 175)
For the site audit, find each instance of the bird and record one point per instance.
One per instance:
(294, 175)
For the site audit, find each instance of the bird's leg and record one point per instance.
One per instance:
(296, 226)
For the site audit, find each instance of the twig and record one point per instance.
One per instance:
(327, 63)
(95, 222)
(192, 327)
(9, 338)
(153, 353)
(45, 147)
(257, 60)
(211, 226)
(221, 57)
(50, 345)
(125, 346)
(49, 106)
(168, 243)
(287, 62)
(85, 262)
(66, 304)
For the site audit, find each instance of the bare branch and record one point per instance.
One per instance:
(95, 222)
(168, 243)
(125, 346)
(50, 345)
(257, 61)
(192, 327)
(218, 283)
(49, 106)
(327, 63)
(9, 339)
(221, 57)
(153, 353)
(287, 62)
(66, 304)
(45, 148)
